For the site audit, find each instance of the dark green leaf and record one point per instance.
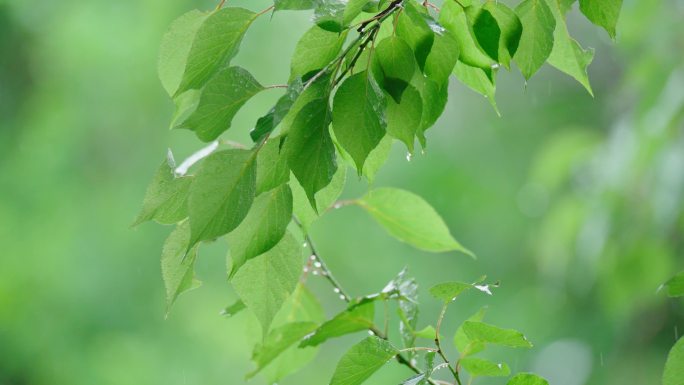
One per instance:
(485, 29)
(315, 50)
(166, 199)
(233, 309)
(272, 168)
(356, 319)
(177, 266)
(410, 219)
(265, 282)
(362, 360)
(604, 13)
(453, 18)
(675, 286)
(674, 366)
(267, 123)
(482, 332)
(216, 42)
(536, 41)
(358, 116)
(277, 341)
(221, 99)
(511, 30)
(221, 194)
(404, 118)
(263, 228)
(324, 198)
(527, 379)
(477, 367)
(396, 65)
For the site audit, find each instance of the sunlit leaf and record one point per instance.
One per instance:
(527, 379)
(362, 360)
(477, 80)
(448, 291)
(604, 13)
(404, 118)
(277, 341)
(315, 50)
(272, 168)
(478, 367)
(463, 343)
(396, 65)
(325, 198)
(352, 320)
(482, 332)
(453, 18)
(674, 366)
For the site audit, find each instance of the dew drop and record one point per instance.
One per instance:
(305, 244)
(336, 290)
(312, 257)
(315, 272)
(496, 66)
(342, 297)
(409, 156)
(370, 332)
(318, 265)
(306, 269)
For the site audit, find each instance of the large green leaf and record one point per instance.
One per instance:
(221, 194)
(442, 58)
(675, 286)
(404, 118)
(477, 80)
(362, 360)
(310, 150)
(453, 18)
(315, 50)
(263, 228)
(177, 266)
(482, 332)
(510, 27)
(604, 13)
(277, 341)
(567, 55)
(413, 25)
(358, 116)
(410, 219)
(175, 47)
(166, 199)
(216, 42)
(527, 379)
(272, 169)
(478, 367)
(396, 65)
(318, 89)
(352, 320)
(536, 41)
(265, 282)
(674, 366)
(325, 198)
(485, 29)
(434, 97)
(221, 99)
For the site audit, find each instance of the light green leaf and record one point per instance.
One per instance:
(478, 367)
(319, 89)
(295, 5)
(358, 116)
(272, 168)
(216, 42)
(674, 366)
(465, 345)
(675, 286)
(536, 41)
(362, 360)
(221, 99)
(604, 13)
(442, 58)
(434, 101)
(377, 158)
(404, 118)
(527, 379)
(352, 320)
(427, 332)
(233, 309)
(221, 194)
(263, 228)
(567, 55)
(395, 66)
(309, 149)
(186, 104)
(482, 332)
(166, 199)
(453, 18)
(448, 291)
(177, 266)
(324, 199)
(277, 341)
(511, 30)
(410, 219)
(175, 47)
(265, 282)
(477, 80)
(315, 50)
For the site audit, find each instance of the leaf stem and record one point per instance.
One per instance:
(265, 11)
(220, 4)
(439, 344)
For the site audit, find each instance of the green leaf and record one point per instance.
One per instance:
(485, 29)
(175, 47)
(272, 168)
(413, 25)
(362, 360)
(511, 30)
(295, 5)
(267, 123)
(404, 118)
(442, 58)
(310, 150)
(395, 64)
(482, 332)
(675, 286)
(527, 379)
(453, 18)
(352, 320)
(319, 89)
(335, 15)
(315, 50)
(177, 266)
(265, 282)
(233, 309)
(536, 41)
(674, 366)
(324, 199)
(277, 341)
(567, 55)
(263, 228)
(434, 101)
(221, 194)
(166, 199)
(448, 291)
(604, 13)
(477, 367)
(477, 80)
(358, 116)
(465, 345)
(427, 332)
(221, 99)
(377, 158)
(410, 219)
(216, 42)
(186, 104)
(407, 288)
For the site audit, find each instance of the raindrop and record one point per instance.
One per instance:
(312, 257)
(342, 297)
(336, 290)
(306, 269)
(315, 272)
(499, 366)
(305, 244)
(337, 205)
(318, 265)
(409, 156)
(484, 289)
(370, 332)
(496, 66)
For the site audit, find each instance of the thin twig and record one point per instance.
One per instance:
(439, 344)
(265, 10)
(220, 4)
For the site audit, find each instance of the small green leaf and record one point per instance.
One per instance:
(177, 266)
(511, 30)
(358, 116)
(175, 47)
(264, 283)
(352, 320)
(482, 332)
(166, 199)
(216, 42)
(221, 99)
(527, 379)
(675, 286)
(277, 341)
(427, 332)
(272, 168)
(674, 366)
(362, 360)
(295, 5)
(310, 150)
(604, 13)
(410, 219)
(465, 346)
(315, 50)
(477, 80)
(453, 18)
(477, 367)
(536, 41)
(448, 291)
(222, 193)
(233, 309)
(263, 228)
(396, 65)
(404, 118)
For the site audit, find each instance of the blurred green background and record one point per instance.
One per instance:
(574, 203)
